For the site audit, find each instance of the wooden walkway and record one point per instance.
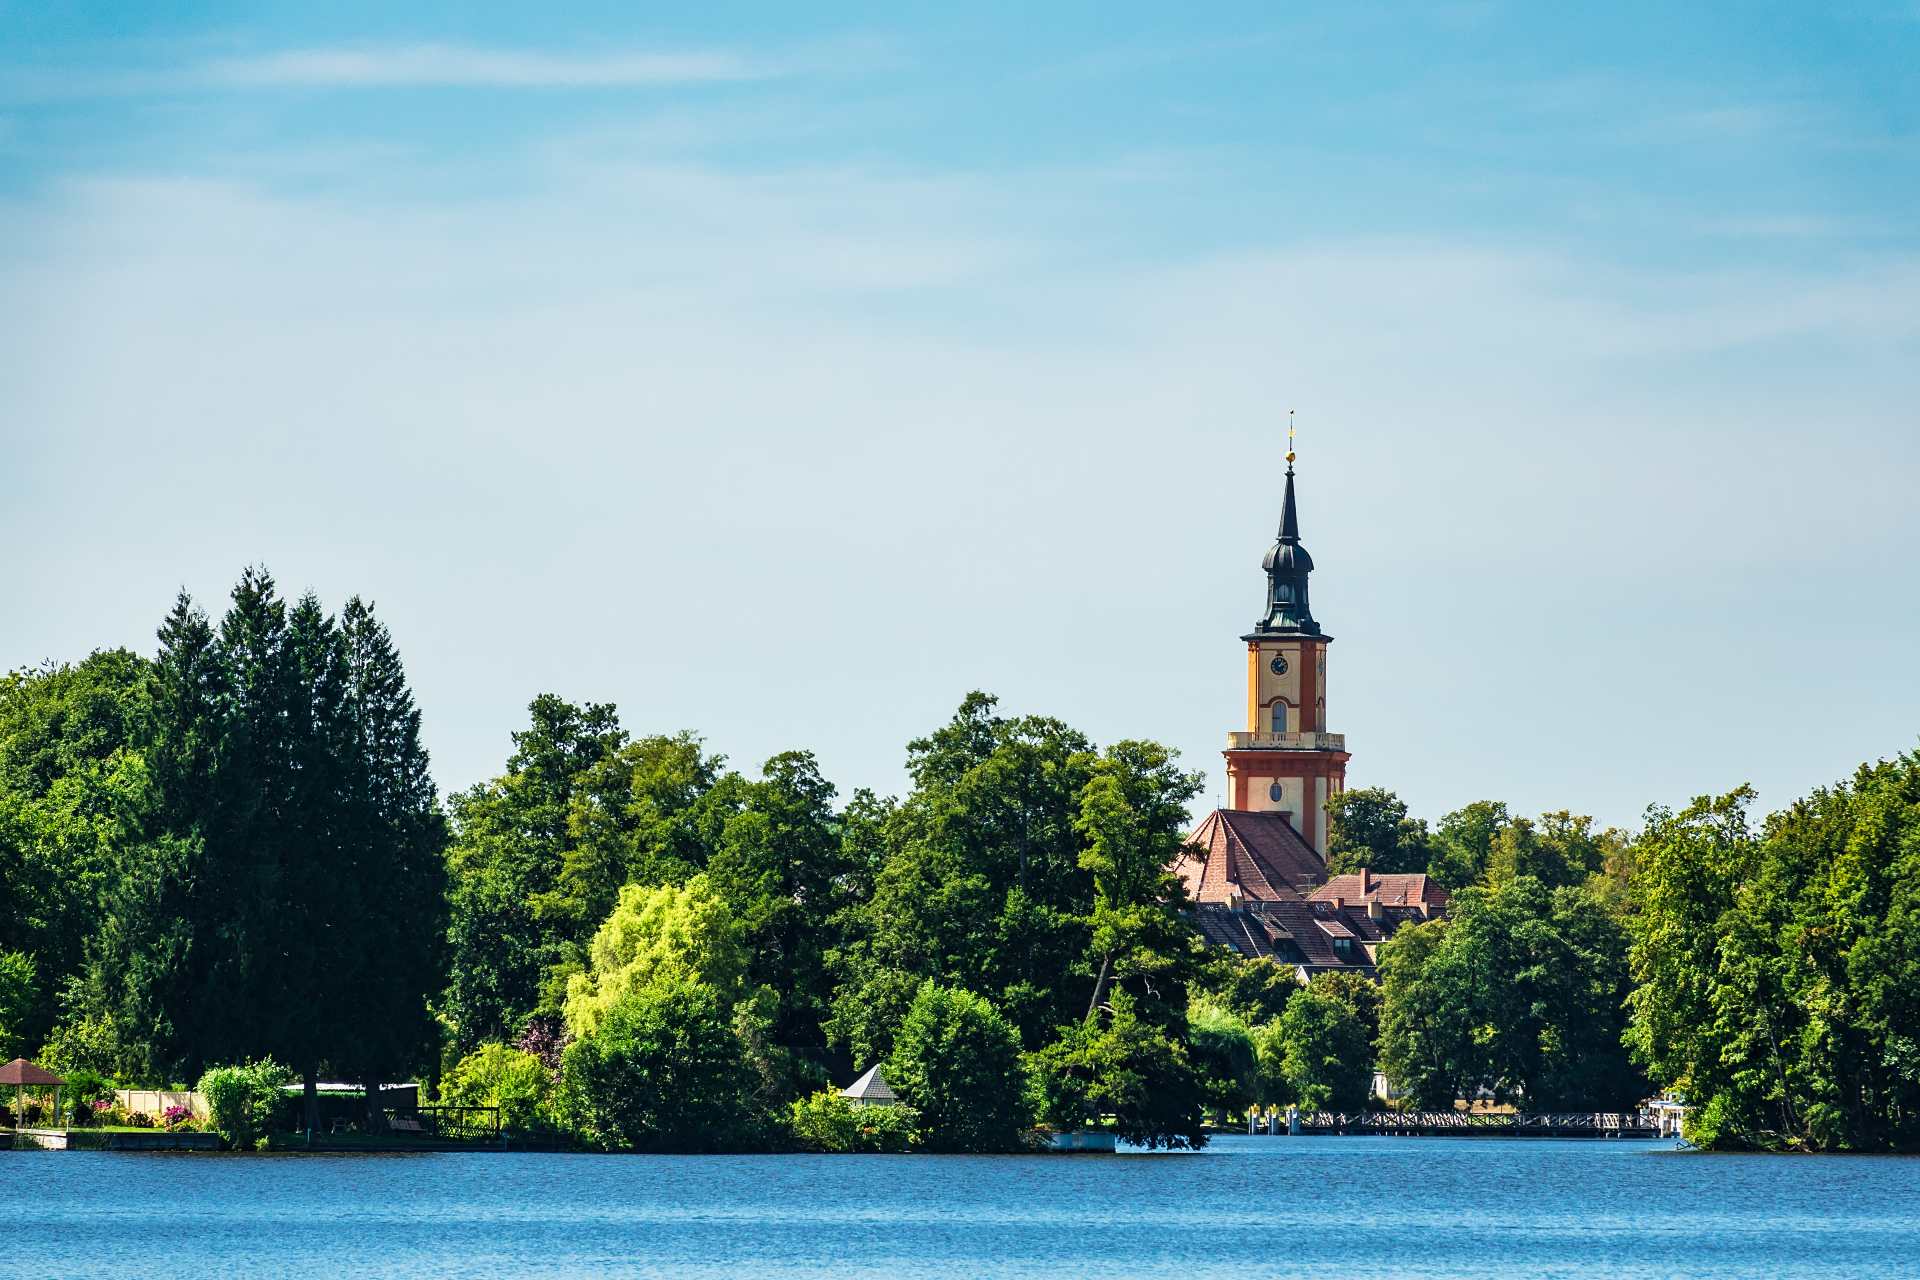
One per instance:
(1464, 1124)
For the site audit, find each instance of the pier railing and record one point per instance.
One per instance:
(448, 1122)
(1526, 1124)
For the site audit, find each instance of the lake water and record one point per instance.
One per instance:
(1246, 1207)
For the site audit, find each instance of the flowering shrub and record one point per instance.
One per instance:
(174, 1117)
(140, 1120)
(546, 1038)
(99, 1111)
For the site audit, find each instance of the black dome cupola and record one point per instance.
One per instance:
(1288, 564)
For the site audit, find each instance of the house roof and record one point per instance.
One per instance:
(1295, 933)
(20, 1071)
(1256, 855)
(871, 1087)
(1410, 889)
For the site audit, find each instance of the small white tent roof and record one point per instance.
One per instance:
(871, 1087)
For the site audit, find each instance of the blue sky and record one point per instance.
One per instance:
(783, 372)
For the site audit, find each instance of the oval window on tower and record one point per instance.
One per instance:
(1274, 793)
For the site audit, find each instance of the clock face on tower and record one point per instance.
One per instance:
(1279, 664)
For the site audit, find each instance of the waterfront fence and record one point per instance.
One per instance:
(1535, 1124)
(154, 1102)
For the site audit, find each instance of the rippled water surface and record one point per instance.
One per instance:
(1245, 1207)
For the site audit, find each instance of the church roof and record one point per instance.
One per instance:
(1295, 933)
(870, 1087)
(1410, 889)
(1258, 856)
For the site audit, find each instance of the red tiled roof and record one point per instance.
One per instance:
(1398, 889)
(1257, 855)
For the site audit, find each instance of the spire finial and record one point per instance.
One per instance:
(1289, 439)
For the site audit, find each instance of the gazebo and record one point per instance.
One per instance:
(870, 1090)
(20, 1073)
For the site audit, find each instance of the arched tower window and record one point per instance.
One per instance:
(1279, 717)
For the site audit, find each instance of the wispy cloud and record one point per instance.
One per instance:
(447, 66)
(451, 66)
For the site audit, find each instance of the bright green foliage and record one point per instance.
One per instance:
(74, 795)
(1270, 1050)
(1326, 1042)
(1225, 1058)
(825, 1121)
(496, 1075)
(1779, 975)
(1369, 827)
(17, 997)
(1520, 992)
(668, 934)
(244, 1102)
(662, 1072)
(540, 855)
(643, 813)
(956, 1061)
(85, 1043)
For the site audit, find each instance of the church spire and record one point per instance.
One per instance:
(1288, 564)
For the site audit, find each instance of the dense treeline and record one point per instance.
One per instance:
(1778, 970)
(1769, 976)
(1003, 938)
(234, 852)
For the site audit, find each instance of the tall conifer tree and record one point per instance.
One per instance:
(289, 897)
(396, 857)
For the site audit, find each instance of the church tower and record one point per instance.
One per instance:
(1286, 762)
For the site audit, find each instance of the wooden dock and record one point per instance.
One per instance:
(1467, 1124)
